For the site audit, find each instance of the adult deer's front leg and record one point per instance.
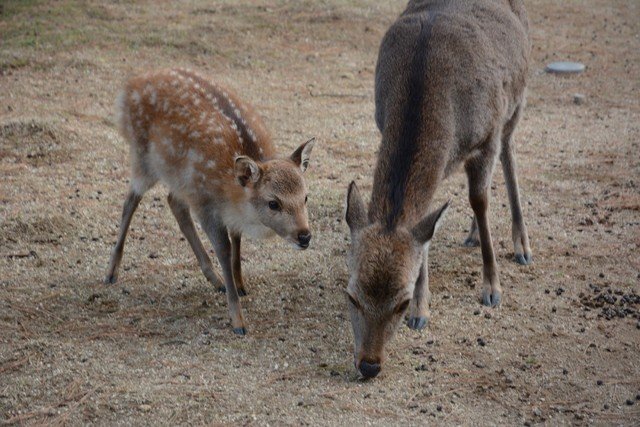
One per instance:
(219, 237)
(479, 172)
(420, 314)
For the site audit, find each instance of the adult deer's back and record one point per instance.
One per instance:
(450, 85)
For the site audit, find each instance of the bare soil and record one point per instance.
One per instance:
(157, 347)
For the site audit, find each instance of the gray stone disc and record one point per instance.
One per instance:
(564, 67)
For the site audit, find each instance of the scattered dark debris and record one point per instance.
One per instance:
(613, 303)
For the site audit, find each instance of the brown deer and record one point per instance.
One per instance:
(450, 88)
(214, 154)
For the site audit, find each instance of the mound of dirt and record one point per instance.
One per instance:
(33, 142)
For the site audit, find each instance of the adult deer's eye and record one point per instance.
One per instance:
(353, 301)
(274, 205)
(402, 306)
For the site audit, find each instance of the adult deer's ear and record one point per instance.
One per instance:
(301, 156)
(356, 214)
(246, 170)
(424, 230)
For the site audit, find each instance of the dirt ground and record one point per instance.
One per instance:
(157, 347)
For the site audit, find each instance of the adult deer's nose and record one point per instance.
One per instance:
(369, 370)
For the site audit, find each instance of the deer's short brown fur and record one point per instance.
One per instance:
(450, 88)
(214, 154)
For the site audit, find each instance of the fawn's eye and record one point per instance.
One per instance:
(274, 205)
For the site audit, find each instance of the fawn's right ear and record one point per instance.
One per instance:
(246, 171)
(356, 214)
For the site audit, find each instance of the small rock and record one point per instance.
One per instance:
(579, 98)
(630, 402)
(145, 408)
(565, 371)
(481, 342)
(477, 312)
(599, 382)
(439, 408)
(487, 315)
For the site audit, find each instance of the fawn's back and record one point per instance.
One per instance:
(187, 132)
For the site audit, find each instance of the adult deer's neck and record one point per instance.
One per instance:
(400, 170)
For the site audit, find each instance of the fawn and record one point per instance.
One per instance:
(450, 89)
(216, 157)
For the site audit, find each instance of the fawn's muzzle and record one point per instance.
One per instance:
(304, 238)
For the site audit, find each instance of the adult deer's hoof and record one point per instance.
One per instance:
(471, 242)
(242, 292)
(110, 279)
(491, 298)
(524, 259)
(417, 323)
(240, 331)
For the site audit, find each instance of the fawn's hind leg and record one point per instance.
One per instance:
(522, 250)
(183, 216)
(130, 205)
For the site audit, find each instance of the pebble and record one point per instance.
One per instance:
(630, 402)
(565, 371)
(481, 342)
(564, 67)
(599, 382)
(579, 98)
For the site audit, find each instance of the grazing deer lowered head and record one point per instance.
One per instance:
(450, 83)
(216, 157)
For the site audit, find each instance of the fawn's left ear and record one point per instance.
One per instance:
(301, 156)
(246, 171)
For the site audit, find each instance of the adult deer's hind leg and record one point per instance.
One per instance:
(522, 250)
(479, 170)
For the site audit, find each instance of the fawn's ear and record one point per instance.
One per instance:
(424, 230)
(246, 171)
(356, 214)
(301, 156)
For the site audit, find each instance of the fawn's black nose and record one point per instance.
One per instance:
(369, 370)
(304, 238)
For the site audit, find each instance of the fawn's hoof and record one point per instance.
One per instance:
(110, 279)
(240, 331)
(524, 259)
(491, 298)
(471, 242)
(417, 323)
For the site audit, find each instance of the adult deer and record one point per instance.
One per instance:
(450, 89)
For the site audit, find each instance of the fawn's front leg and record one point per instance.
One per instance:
(219, 237)
(235, 262)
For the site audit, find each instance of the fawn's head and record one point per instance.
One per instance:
(278, 194)
(384, 266)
